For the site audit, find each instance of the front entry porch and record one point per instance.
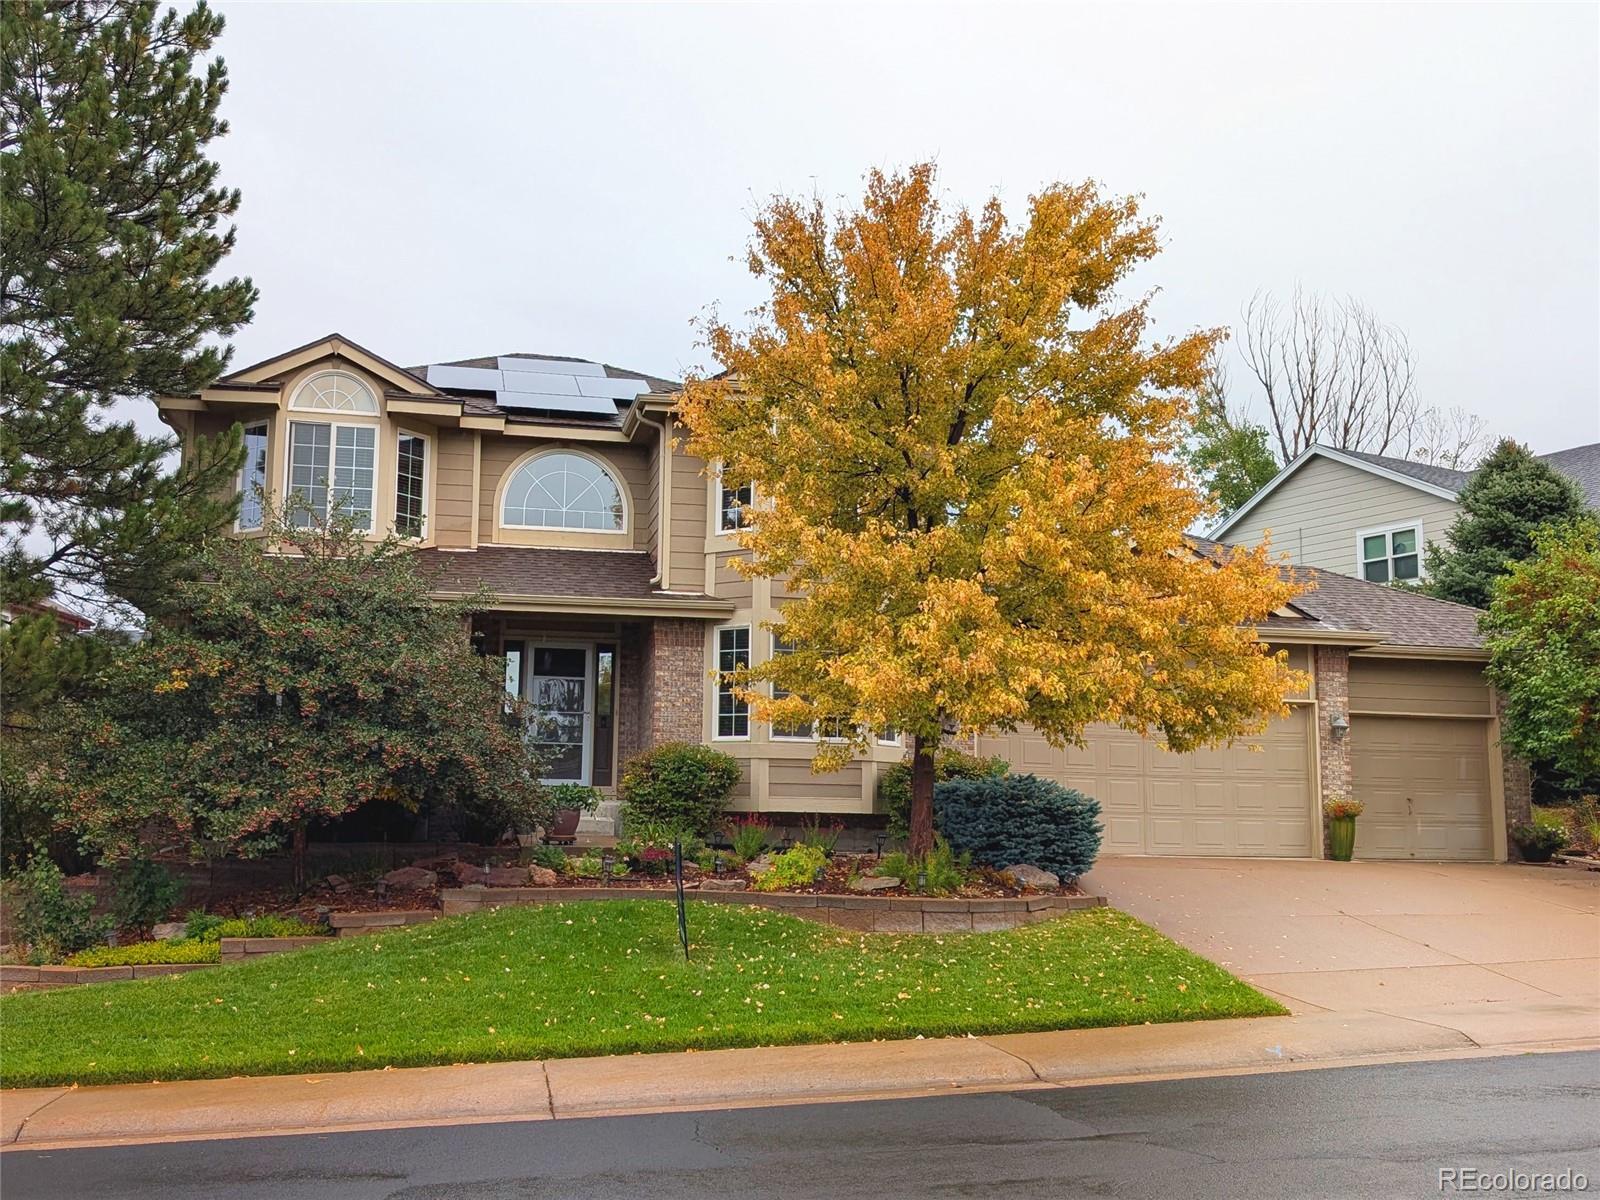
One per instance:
(602, 689)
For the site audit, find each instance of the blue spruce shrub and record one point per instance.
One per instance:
(1010, 819)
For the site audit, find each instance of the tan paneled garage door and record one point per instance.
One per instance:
(1228, 801)
(1425, 784)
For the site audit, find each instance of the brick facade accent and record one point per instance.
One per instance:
(1517, 779)
(674, 681)
(1332, 666)
(631, 723)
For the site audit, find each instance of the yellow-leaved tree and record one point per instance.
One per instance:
(964, 457)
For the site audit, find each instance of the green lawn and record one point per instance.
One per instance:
(606, 978)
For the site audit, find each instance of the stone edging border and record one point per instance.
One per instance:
(886, 914)
(233, 950)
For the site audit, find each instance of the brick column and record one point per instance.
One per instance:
(1332, 667)
(1516, 778)
(675, 681)
(632, 723)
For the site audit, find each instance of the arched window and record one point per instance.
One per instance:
(563, 491)
(334, 392)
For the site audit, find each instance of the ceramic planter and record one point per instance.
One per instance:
(1341, 838)
(563, 826)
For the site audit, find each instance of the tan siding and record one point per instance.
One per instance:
(1315, 514)
(1299, 660)
(730, 584)
(792, 787)
(1410, 686)
(648, 518)
(689, 523)
(630, 463)
(451, 520)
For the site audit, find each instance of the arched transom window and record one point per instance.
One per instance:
(335, 392)
(563, 491)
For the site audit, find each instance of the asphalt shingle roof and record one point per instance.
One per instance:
(1426, 472)
(485, 406)
(543, 571)
(1346, 605)
(1581, 464)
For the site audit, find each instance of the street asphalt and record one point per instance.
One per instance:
(1379, 1131)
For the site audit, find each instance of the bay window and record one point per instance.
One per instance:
(332, 469)
(253, 477)
(733, 654)
(410, 484)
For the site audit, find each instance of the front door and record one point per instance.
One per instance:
(562, 726)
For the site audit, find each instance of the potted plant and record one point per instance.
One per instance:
(1341, 811)
(1538, 842)
(571, 802)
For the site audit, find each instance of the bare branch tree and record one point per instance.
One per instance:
(1455, 438)
(1333, 373)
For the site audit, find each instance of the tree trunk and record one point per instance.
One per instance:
(920, 835)
(298, 856)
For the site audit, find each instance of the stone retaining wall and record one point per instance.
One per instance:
(886, 914)
(233, 950)
(352, 923)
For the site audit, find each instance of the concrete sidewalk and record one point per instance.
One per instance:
(50, 1118)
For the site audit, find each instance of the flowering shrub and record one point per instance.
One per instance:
(1339, 805)
(749, 835)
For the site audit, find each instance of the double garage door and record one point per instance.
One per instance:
(1425, 783)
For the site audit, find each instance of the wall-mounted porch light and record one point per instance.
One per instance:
(1340, 725)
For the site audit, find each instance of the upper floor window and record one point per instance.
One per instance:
(335, 392)
(332, 469)
(732, 505)
(253, 476)
(410, 484)
(562, 490)
(1391, 554)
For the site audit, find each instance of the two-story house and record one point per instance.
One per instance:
(558, 485)
(1369, 515)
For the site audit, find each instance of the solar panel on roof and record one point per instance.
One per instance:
(617, 389)
(552, 402)
(552, 366)
(473, 379)
(529, 381)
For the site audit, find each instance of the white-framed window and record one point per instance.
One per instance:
(733, 506)
(253, 477)
(889, 736)
(806, 731)
(332, 469)
(562, 489)
(1390, 554)
(334, 392)
(410, 484)
(733, 654)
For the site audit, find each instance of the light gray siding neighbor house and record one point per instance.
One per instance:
(1368, 515)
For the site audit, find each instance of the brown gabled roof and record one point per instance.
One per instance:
(1341, 604)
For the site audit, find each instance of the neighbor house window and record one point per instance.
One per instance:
(733, 654)
(332, 469)
(253, 476)
(1391, 554)
(733, 505)
(563, 491)
(410, 484)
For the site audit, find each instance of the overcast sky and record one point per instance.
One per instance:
(441, 181)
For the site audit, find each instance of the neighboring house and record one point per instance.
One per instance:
(67, 621)
(557, 484)
(1368, 515)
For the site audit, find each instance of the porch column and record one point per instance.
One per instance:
(632, 723)
(674, 681)
(1510, 783)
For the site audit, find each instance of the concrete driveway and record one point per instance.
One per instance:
(1378, 936)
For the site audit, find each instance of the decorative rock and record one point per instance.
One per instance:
(1033, 877)
(715, 884)
(541, 877)
(873, 883)
(505, 876)
(166, 931)
(337, 882)
(410, 877)
(690, 870)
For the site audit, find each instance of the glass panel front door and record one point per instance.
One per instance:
(563, 717)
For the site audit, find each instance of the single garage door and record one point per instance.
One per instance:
(1230, 801)
(1425, 784)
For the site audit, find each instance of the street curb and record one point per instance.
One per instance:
(563, 1089)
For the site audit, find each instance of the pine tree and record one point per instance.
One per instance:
(1509, 498)
(111, 224)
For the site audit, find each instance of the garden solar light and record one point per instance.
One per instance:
(922, 881)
